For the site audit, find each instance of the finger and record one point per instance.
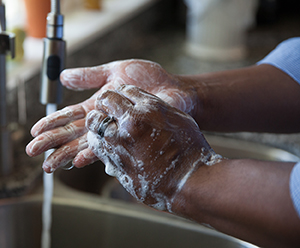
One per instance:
(56, 137)
(65, 154)
(97, 147)
(177, 98)
(113, 103)
(84, 158)
(57, 119)
(135, 94)
(94, 120)
(82, 78)
(101, 124)
(88, 77)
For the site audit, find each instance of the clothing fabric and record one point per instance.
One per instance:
(295, 187)
(286, 57)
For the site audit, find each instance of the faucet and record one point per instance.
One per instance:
(16, 182)
(7, 45)
(54, 57)
(51, 95)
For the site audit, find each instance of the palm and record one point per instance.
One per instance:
(66, 129)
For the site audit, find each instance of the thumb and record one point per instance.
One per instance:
(85, 78)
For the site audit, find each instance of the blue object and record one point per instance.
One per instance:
(286, 57)
(295, 187)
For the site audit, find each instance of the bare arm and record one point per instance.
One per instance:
(257, 98)
(247, 199)
(177, 170)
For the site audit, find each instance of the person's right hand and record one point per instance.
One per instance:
(151, 147)
(65, 129)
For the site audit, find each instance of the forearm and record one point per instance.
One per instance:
(247, 199)
(258, 98)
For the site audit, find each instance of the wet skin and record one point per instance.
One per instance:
(65, 129)
(244, 198)
(150, 146)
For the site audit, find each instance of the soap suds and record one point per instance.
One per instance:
(165, 143)
(58, 119)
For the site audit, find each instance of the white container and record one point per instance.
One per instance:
(216, 29)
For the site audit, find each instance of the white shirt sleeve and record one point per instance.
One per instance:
(295, 187)
(286, 57)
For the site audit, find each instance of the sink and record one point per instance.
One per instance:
(92, 179)
(235, 148)
(102, 224)
(91, 209)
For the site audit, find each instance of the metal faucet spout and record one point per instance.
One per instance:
(54, 57)
(7, 45)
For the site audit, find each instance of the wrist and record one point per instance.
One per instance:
(205, 98)
(190, 88)
(193, 186)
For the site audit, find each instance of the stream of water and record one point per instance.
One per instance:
(48, 194)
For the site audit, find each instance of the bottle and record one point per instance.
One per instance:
(92, 4)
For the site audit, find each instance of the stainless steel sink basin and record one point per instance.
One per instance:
(97, 220)
(100, 224)
(233, 148)
(93, 179)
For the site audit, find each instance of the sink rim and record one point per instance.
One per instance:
(277, 154)
(127, 210)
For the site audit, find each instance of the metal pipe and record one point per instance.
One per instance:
(3, 120)
(5, 153)
(55, 6)
(51, 95)
(2, 17)
(54, 57)
(6, 45)
(2, 67)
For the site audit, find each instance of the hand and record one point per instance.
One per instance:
(65, 129)
(149, 146)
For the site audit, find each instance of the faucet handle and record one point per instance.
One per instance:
(7, 43)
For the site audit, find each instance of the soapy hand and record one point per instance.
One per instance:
(65, 129)
(149, 146)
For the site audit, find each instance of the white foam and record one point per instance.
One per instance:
(143, 185)
(138, 73)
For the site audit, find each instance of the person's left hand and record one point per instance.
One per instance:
(65, 129)
(149, 146)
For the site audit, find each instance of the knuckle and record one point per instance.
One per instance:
(104, 94)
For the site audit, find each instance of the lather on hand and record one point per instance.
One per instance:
(245, 198)
(65, 129)
(149, 146)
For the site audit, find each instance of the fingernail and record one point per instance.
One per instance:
(36, 148)
(30, 149)
(36, 133)
(47, 168)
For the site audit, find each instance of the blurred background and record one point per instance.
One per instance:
(185, 37)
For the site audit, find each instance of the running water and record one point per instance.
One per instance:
(48, 193)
